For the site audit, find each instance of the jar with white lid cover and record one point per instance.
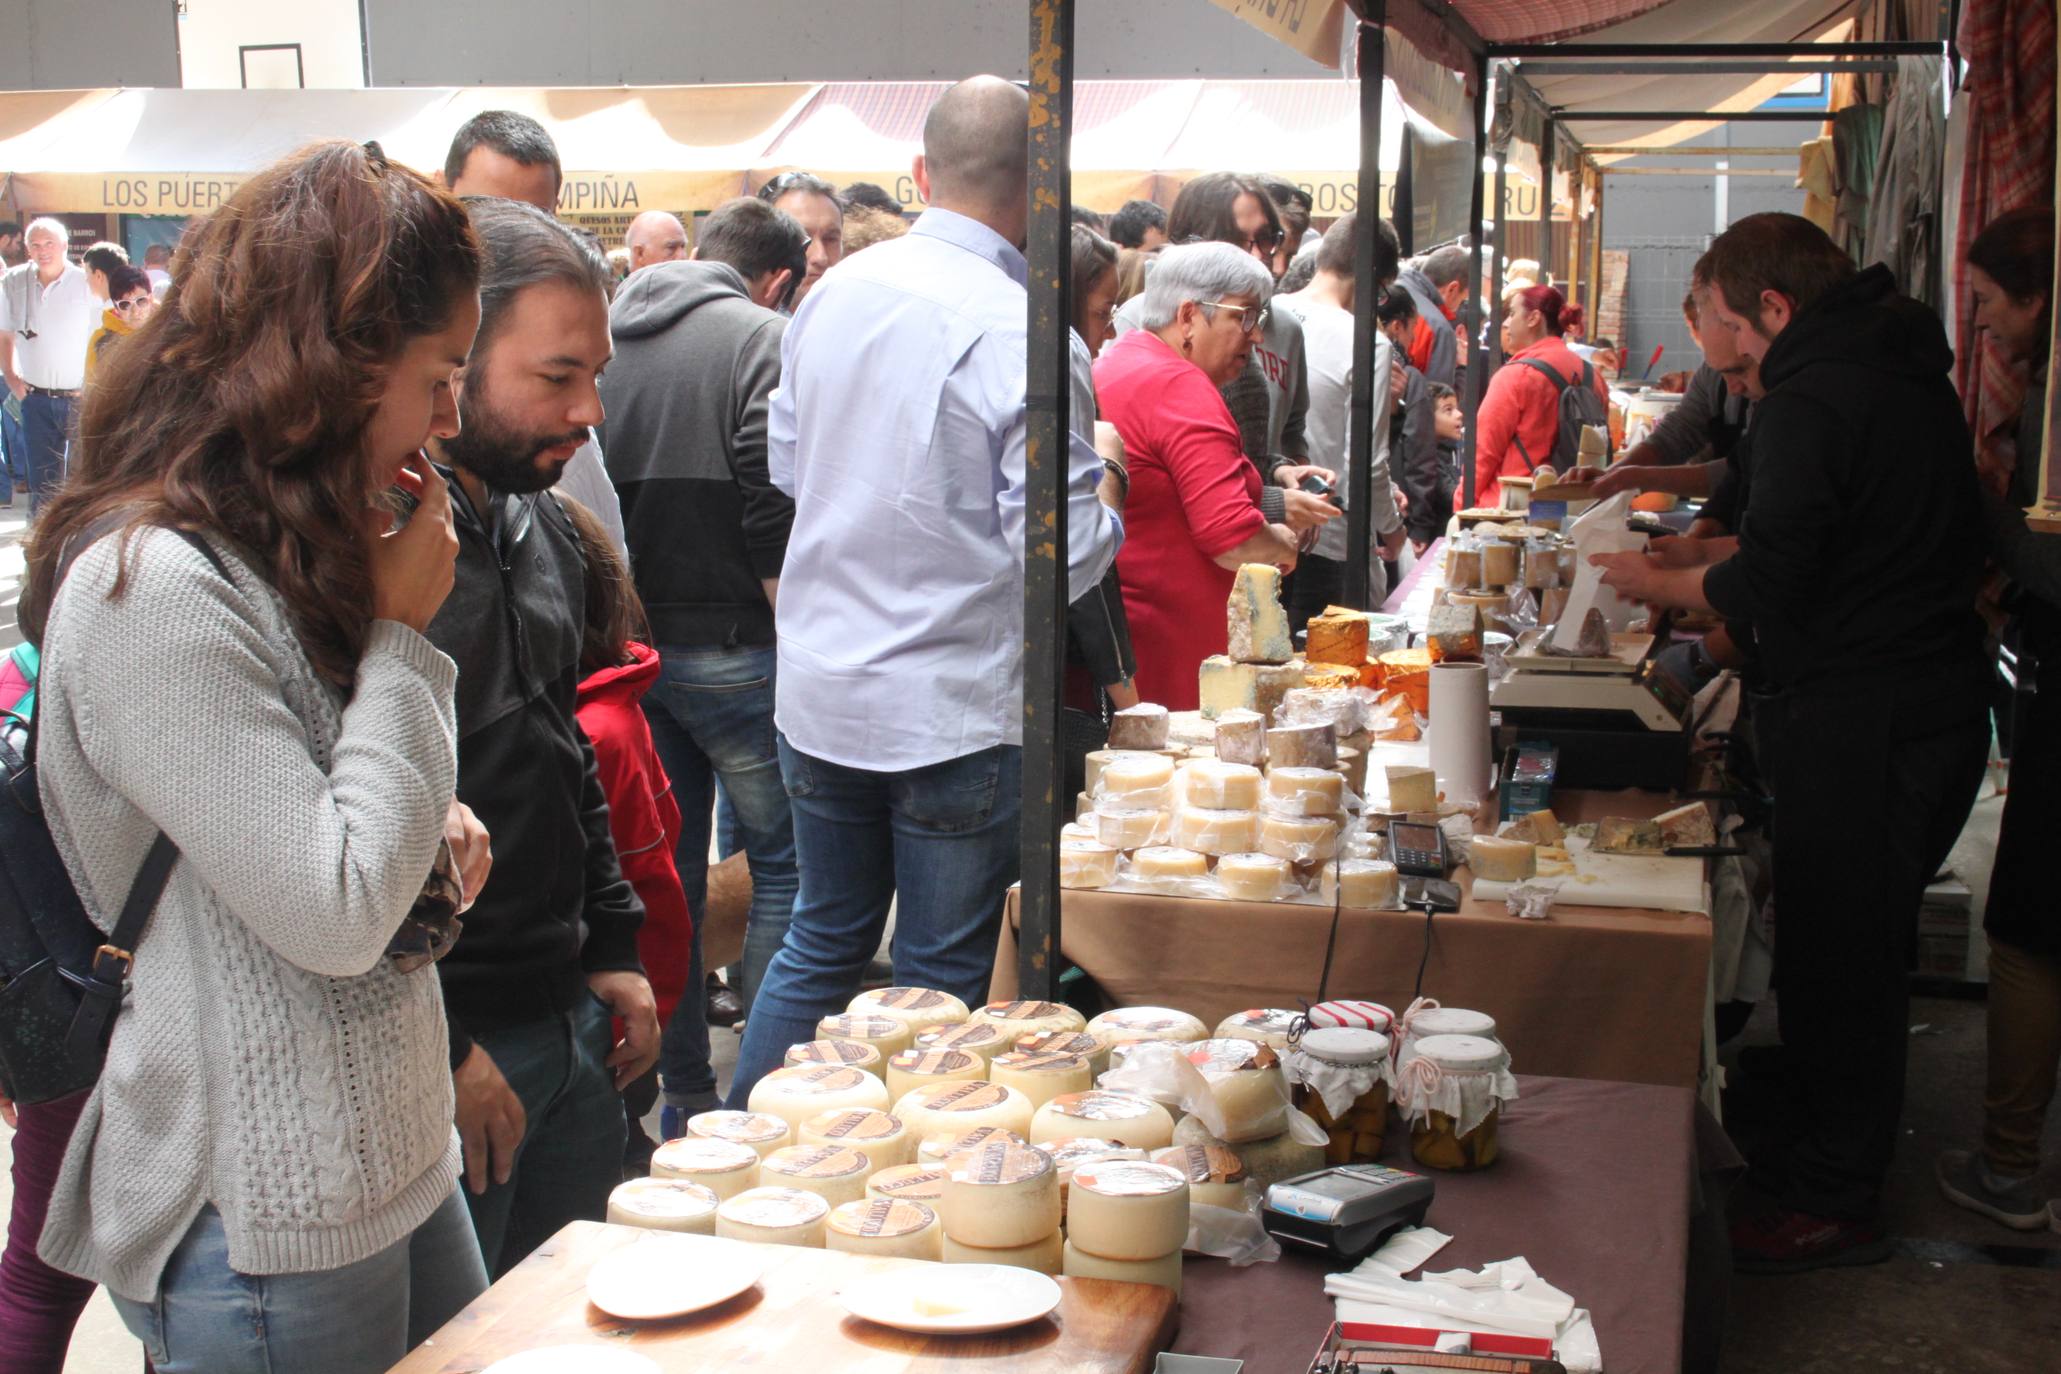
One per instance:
(1342, 1077)
(1426, 1017)
(1452, 1090)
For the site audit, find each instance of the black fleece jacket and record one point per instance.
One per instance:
(556, 907)
(1861, 543)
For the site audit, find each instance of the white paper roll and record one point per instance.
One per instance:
(1460, 730)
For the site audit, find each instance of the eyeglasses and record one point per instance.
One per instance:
(1265, 239)
(1252, 319)
(134, 303)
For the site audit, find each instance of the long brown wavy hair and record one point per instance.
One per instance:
(239, 409)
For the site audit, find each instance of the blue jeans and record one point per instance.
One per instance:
(46, 423)
(571, 1156)
(13, 450)
(360, 1319)
(939, 841)
(711, 717)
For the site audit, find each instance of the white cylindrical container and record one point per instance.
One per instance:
(1460, 749)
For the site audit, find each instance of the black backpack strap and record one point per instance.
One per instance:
(1560, 384)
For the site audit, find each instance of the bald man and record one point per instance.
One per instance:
(898, 689)
(655, 237)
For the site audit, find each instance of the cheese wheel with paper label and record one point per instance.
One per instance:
(1028, 1018)
(983, 1038)
(885, 1229)
(1128, 1210)
(1165, 1270)
(774, 1216)
(883, 1139)
(851, 1053)
(1042, 1076)
(911, 1069)
(947, 1108)
(1093, 1048)
(1218, 786)
(1044, 1255)
(1000, 1196)
(1245, 1078)
(1267, 1025)
(923, 1183)
(1166, 861)
(664, 1204)
(883, 1033)
(763, 1133)
(833, 1172)
(1126, 1118)
(1216, 832)
(724, 1167)
(1125, 1025)
(794, 1095)
(1253, 877)
(917, 1008)
(1216, 1175)
(941, 1147)
(1073, 1152)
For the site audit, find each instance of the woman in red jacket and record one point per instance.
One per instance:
(615, 672)
(1520, 415)
(1193, 513)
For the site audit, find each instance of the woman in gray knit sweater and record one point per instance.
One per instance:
(264, 1175)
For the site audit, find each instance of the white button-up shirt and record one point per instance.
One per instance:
(62, 316)
(899, 429)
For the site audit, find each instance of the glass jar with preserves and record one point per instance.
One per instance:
(1341, 1077)
(1453, 1088)
(1426, 1017)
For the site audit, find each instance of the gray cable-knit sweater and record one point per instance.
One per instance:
(269, 1060)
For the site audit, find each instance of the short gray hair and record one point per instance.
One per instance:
(1202, 272)
(48, 224)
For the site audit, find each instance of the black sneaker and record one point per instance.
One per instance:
(1968, 1181)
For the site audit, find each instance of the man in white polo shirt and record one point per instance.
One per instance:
(47, 316)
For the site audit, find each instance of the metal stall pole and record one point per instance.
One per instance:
(1495, 290)
(1048, 394)
(1470, 310)
(1372, 67)
(1596, 261)
(1547, 161)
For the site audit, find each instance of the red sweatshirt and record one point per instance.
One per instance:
(1521, 403)
(643, 816)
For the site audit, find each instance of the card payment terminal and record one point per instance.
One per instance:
(1345, 1212)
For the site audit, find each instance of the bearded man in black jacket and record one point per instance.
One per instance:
(1857, 560)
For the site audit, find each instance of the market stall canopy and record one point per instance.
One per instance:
(1314, 28)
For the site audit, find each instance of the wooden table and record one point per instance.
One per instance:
(1589, 992)
(791, 1321)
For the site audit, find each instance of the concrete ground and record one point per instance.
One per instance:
(1961, 1295)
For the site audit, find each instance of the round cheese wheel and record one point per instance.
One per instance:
(1254, 877)
(852, 1053)
(883, 1033)
(1129, 827)
(1086, 863)
(1245, 1079)
(884, 1228)
(1099, 759)
(774, 1216)
(917, 1008)
(763, 1133)
(1216, 832)
(1125, 1118)
(941, 1147)
(664, 1204)
(1363, 884)
(1299, 839)
(1216, 1175)
(954, 1108)
(1001, 1195)
(833, 1172)
(1073, 1152)
(1267, 1025)
(1165, 861)
(923, 1183)
(983, 1038)
(1304, 792)
(725, 1167)
(794, 1095)
(1093, 1048)
(1126, 1025)
(1028, 1018)
(1125, 1209)
(1134, 780)
(1267, 1161)
(1164, 1270)
(1044, 1255)
(1221, 786)
(1042, 1076)
(883, 1139)
(911, 1069)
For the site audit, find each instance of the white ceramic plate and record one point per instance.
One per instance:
(953, 1298)
(574, 1359)
(668, 1275)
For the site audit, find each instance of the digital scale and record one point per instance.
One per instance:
(1616, 722)
(1347, 1211)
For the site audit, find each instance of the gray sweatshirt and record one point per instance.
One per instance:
(269, 1060)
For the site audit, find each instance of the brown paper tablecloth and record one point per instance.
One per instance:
(1590, 992)
(1592, 1187)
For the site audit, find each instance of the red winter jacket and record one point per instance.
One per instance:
(1521, 403)
(643, 816)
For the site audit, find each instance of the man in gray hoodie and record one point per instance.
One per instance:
(697, 357)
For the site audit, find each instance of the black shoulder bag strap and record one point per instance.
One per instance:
(102, 986)
(1559, 385)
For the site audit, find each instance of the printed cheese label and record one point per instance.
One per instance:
(932, 1062)
(1101, 1106)
(1000, 1162)
(1023, 1011)
(815, 1161)
(966, 1097)
(863, 1124)
(885, 1218)
(908, 999)
(1041, 1062)
(1059, 1042)
(838, 1052)
(910, 1180)
(858, 1027)
(965, 1035)
(831, 1078)
(743, 1126)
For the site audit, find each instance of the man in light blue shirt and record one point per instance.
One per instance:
(899, 428)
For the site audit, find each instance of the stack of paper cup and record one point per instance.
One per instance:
(1460, 754)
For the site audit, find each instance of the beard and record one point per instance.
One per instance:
(502, 453)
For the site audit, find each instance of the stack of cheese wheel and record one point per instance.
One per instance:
(1127, 1220)
(1127, 1118)
(794, 1095)
(917, 1008)
(774, 1216)
(763, 1133)
(664, 1204)
(1216, 1175)
(1267, 1161)
(725, 1167)
(1072, 1153)
(1002, 1207)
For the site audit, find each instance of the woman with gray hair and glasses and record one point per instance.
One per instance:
(1193, 513)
